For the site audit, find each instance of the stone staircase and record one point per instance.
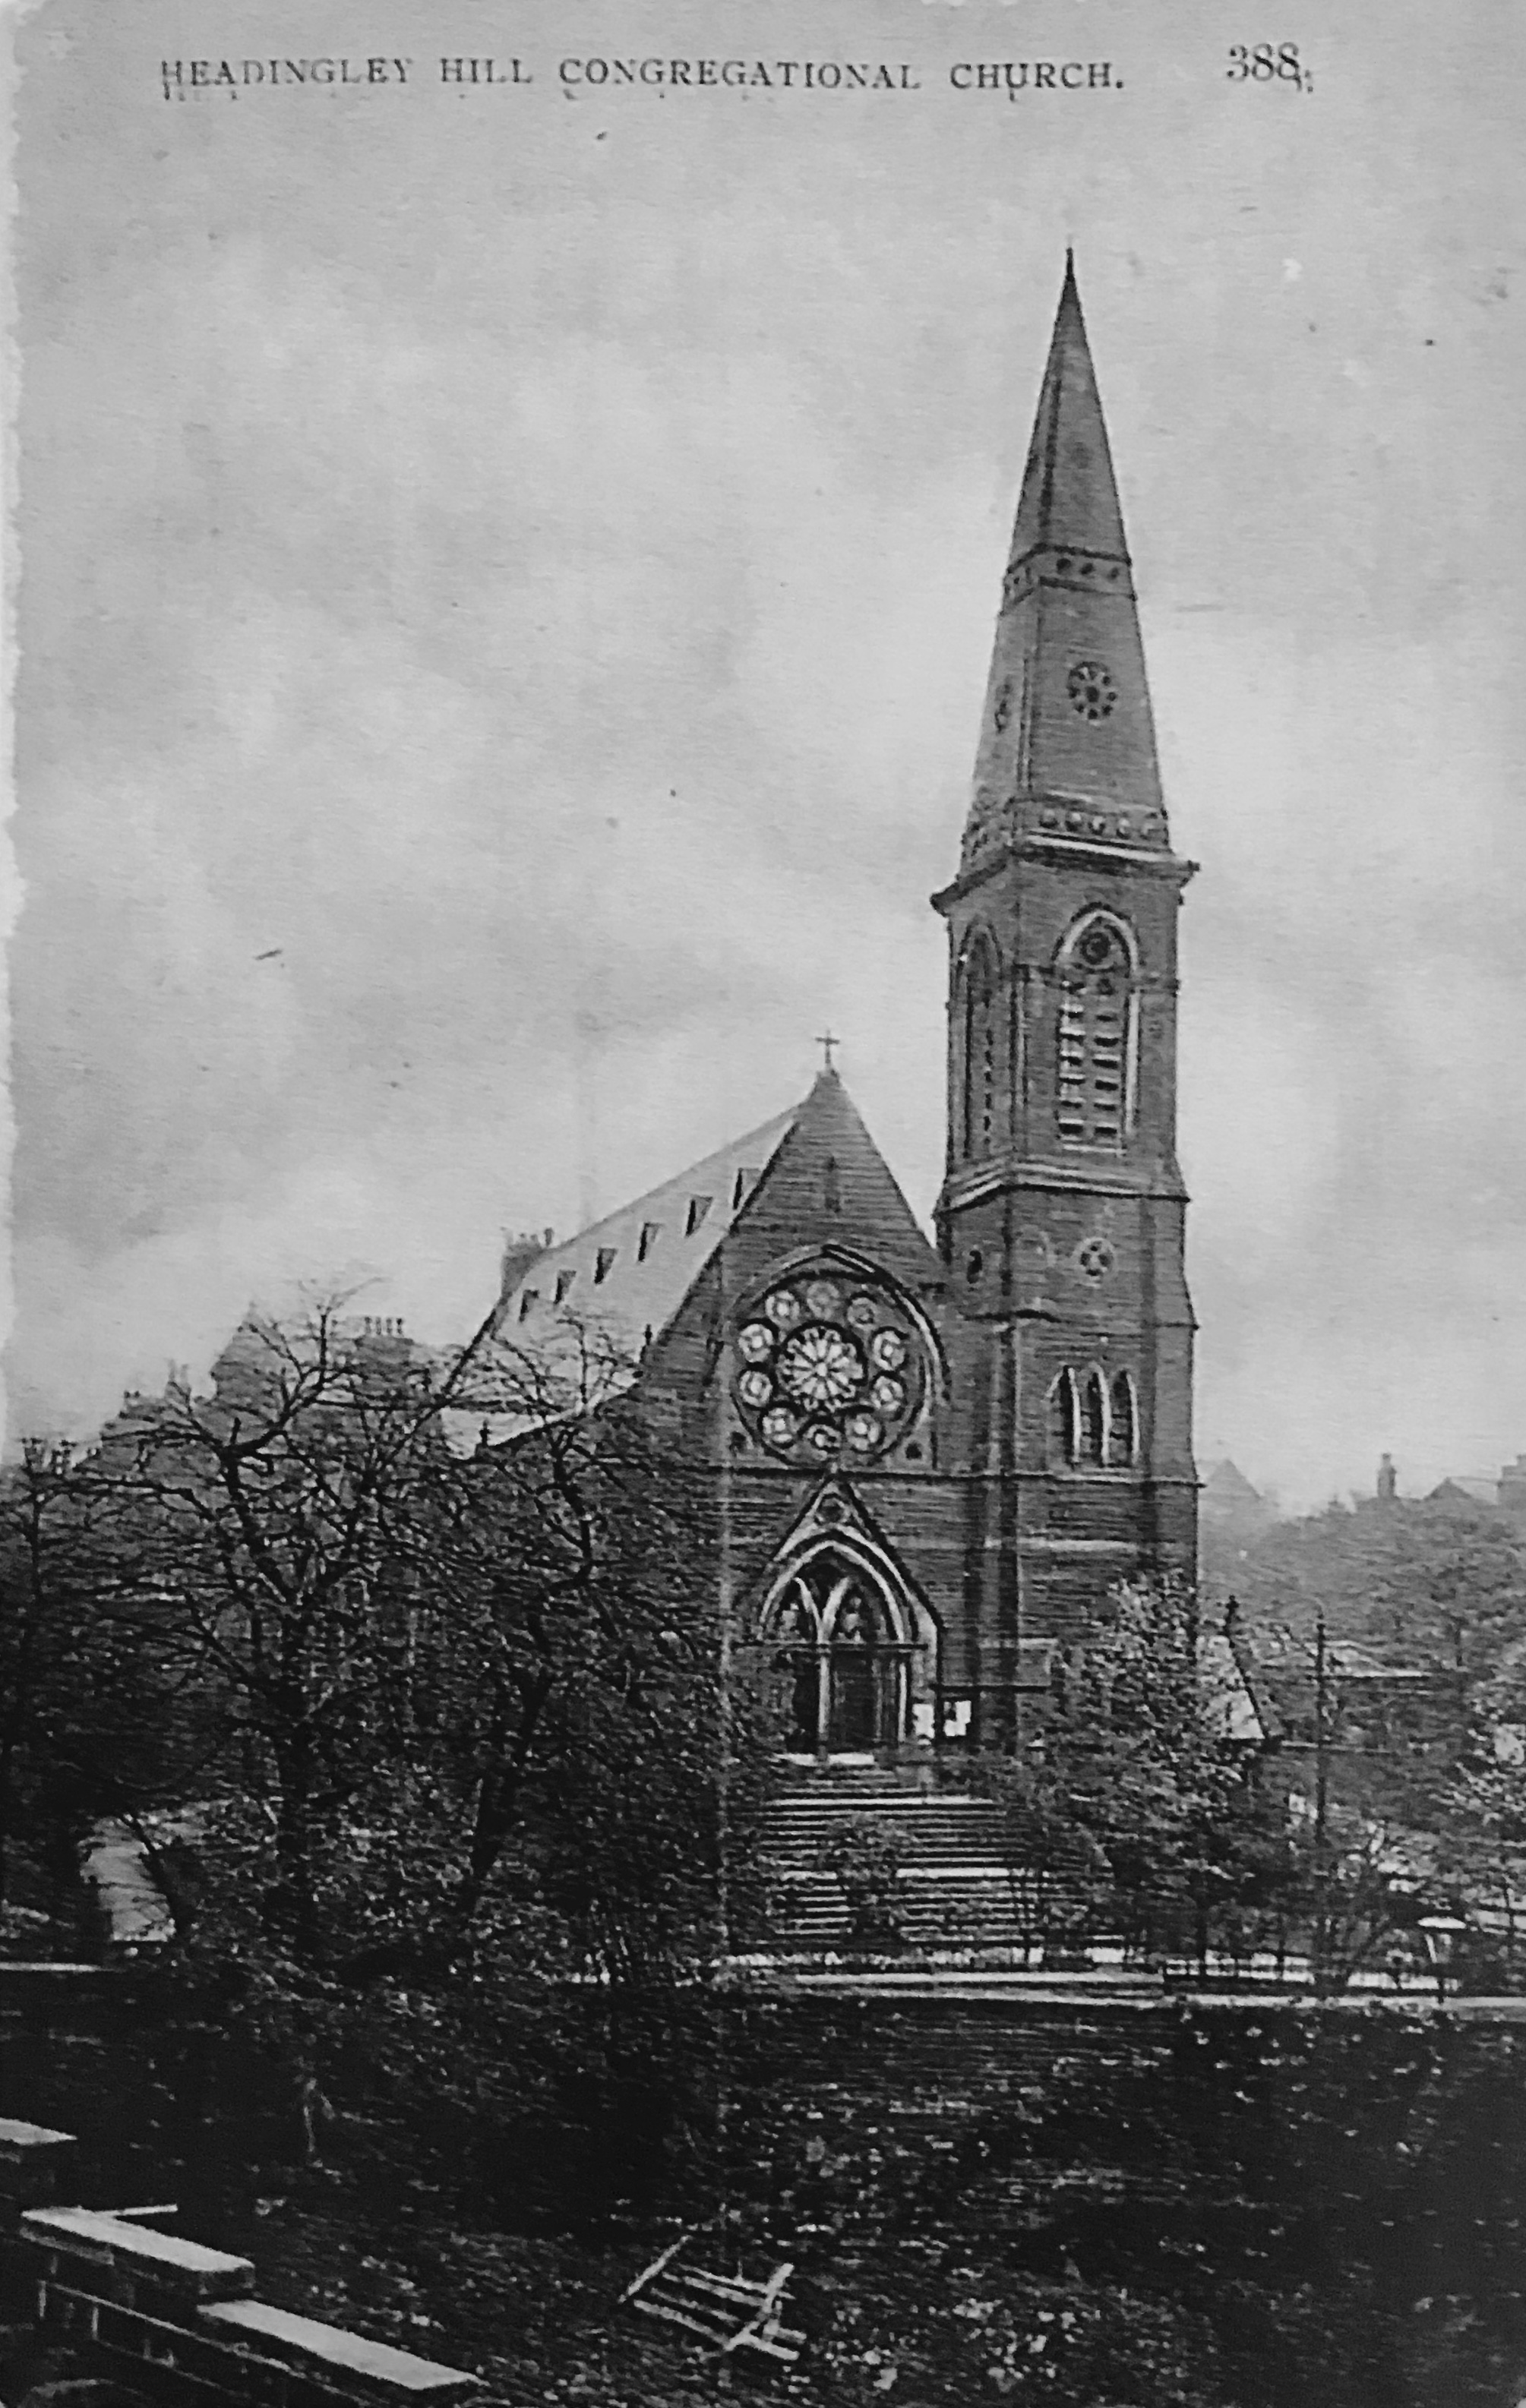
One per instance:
(954, 1890)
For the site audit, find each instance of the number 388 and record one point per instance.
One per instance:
(1266, 62)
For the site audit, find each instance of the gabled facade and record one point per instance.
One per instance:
(930, 1462)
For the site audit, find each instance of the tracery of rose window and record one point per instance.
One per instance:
(827, 1367)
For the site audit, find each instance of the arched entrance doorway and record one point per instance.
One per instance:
(843, 1657)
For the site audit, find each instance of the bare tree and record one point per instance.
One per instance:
(437, 1612)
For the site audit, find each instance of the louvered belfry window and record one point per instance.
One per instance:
(1091, 1101)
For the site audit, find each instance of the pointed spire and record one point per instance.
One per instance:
(1069, 495)
(1066, 744)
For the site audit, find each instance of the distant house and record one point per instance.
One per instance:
(1461, 1494)
(1367, 1703)
(1232, 1515)
(1501, 1499)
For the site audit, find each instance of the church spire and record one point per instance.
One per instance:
(1067, 746)
(1069, 494)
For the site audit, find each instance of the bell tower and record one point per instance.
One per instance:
(1061, 1218)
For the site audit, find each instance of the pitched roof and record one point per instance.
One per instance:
(620, 1281)
(632, 1270)
(1294, 1653)
(1462, 1490)
(1229, 1693)
(571, 1331)
(1226, 1486)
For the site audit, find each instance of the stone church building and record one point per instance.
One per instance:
(932, 1458)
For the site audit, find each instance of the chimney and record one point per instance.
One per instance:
(519, 1252)
(1511, 1492)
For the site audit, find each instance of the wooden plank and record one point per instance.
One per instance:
(759, 2330)
(749, 2295)
(658, 2263)
(774, 2348)
(695, 2303)
(777, 2279)
(648, 2307)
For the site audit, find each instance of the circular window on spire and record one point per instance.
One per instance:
(1092, 692)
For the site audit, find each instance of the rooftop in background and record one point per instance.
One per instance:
(1226, 1490)
(1462, 1490)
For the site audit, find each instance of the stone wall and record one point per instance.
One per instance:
(1260, 2199)
(152, 2316)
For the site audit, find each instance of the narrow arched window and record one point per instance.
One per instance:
(979, 985)
(1093, 1419)
(1060, 1437)
(1095, 1038)
(1123, 1425)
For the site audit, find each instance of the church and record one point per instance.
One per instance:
(932, 1458)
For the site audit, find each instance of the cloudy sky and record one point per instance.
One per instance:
(508, 578)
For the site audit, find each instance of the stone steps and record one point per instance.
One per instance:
(971, 1905)
(953, 1886)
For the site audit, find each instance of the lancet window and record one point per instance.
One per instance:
(1093, 1429)
(1062, 1419)
(981, 987)
(1123, 1423)
(1093, 1422)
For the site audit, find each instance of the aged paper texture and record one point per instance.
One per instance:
(512, 512)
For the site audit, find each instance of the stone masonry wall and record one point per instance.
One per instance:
(160, 2320)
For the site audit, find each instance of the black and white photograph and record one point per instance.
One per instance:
(763, 1509)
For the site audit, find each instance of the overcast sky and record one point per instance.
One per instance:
(508, 585)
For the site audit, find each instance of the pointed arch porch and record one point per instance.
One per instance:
(854, 1649)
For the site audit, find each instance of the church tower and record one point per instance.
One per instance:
(1062, 1212)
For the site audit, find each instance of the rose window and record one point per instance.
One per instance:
(822, 1367)
(827, 1367)
(1091, 690)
